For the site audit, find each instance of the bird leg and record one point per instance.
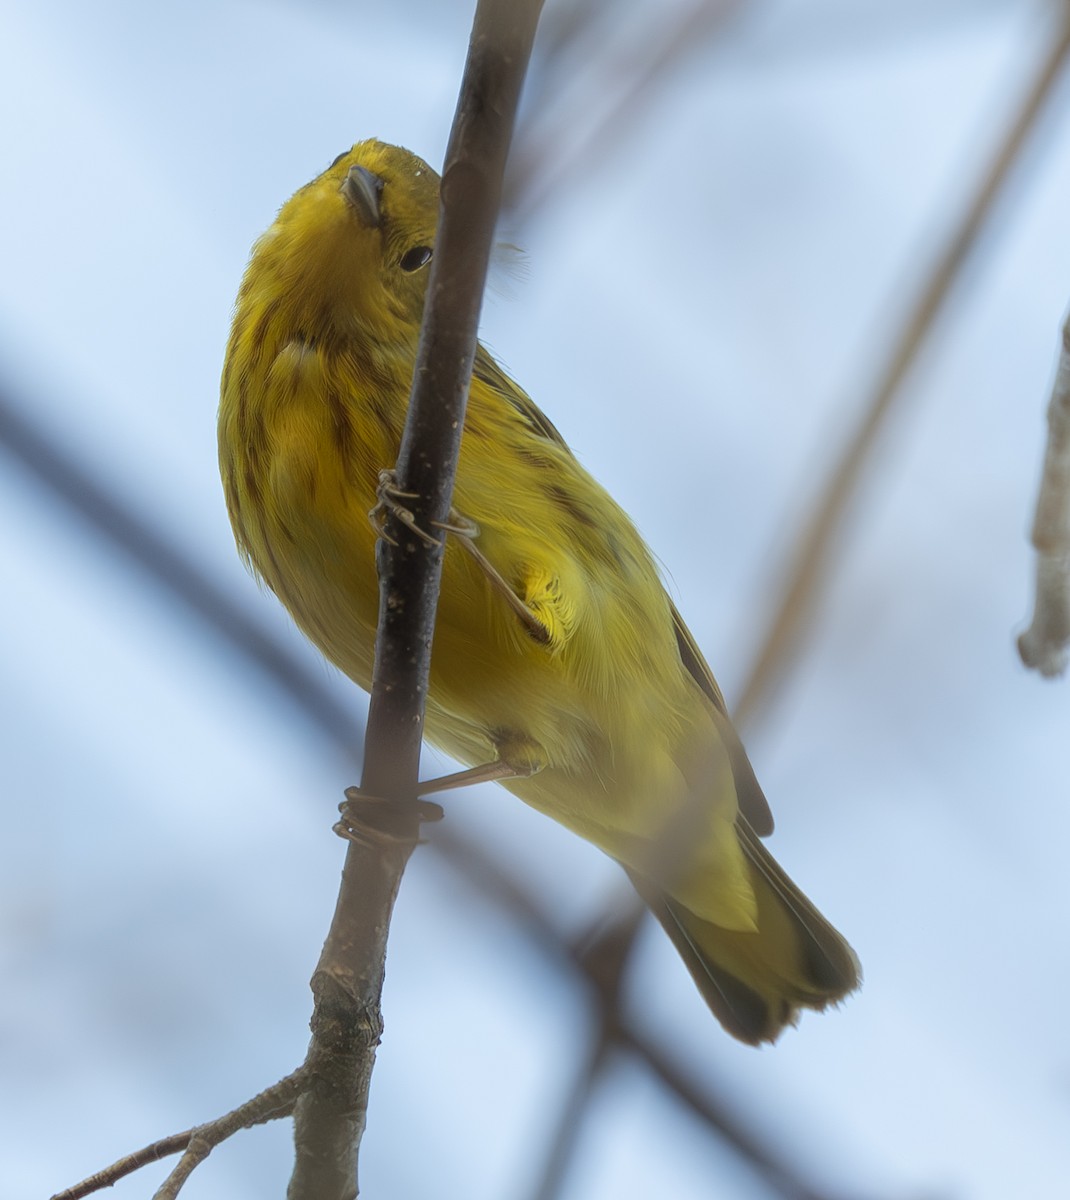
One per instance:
(466, 532)
(375, 821)
(546, 595)
(488, 772)
(519, 757)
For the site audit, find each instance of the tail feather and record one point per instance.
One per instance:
(830, 962)
(755, 983)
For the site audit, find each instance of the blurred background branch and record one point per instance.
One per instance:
(812, 559)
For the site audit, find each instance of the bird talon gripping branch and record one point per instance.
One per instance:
(388, 503)
(377, 822)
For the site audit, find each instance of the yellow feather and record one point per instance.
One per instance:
(616, 705)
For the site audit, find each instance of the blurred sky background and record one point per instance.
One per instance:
(709, 295)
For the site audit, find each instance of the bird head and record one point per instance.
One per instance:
(349, 254)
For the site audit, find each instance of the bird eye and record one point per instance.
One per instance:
(414, 259)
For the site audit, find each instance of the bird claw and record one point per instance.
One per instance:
(382, 824)
(388, 502)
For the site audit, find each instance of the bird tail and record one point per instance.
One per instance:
(756, 982)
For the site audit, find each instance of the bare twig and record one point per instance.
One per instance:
(127, 1165)
(1043, 645)
(779, 646)
(195, 1144)
(347, 1020)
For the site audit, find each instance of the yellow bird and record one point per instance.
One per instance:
(557, 653)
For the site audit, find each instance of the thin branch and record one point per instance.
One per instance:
(806, 577)
(127, 1165)
(602, 955)
(347, 1019)
(271, 1104)
(570, 1116)
(1043, 645)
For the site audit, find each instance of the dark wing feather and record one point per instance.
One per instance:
(487, 371)
(752, 802)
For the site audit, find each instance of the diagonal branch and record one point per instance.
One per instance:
(806, 576)
(93, 498)
(347, 1020)
(195, 1144)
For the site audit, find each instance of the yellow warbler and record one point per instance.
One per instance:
(557, 652)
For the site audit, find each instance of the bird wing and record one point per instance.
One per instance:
(752, 802)
(487, 371)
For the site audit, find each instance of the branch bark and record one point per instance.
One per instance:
(329, 1118)
(195, 1144)
(1043, 645)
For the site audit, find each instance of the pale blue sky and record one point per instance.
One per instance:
(735, 265)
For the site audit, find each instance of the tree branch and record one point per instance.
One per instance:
(195, 1144)
(329, 1118)
(1043, 645)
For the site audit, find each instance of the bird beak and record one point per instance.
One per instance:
(362, 190)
